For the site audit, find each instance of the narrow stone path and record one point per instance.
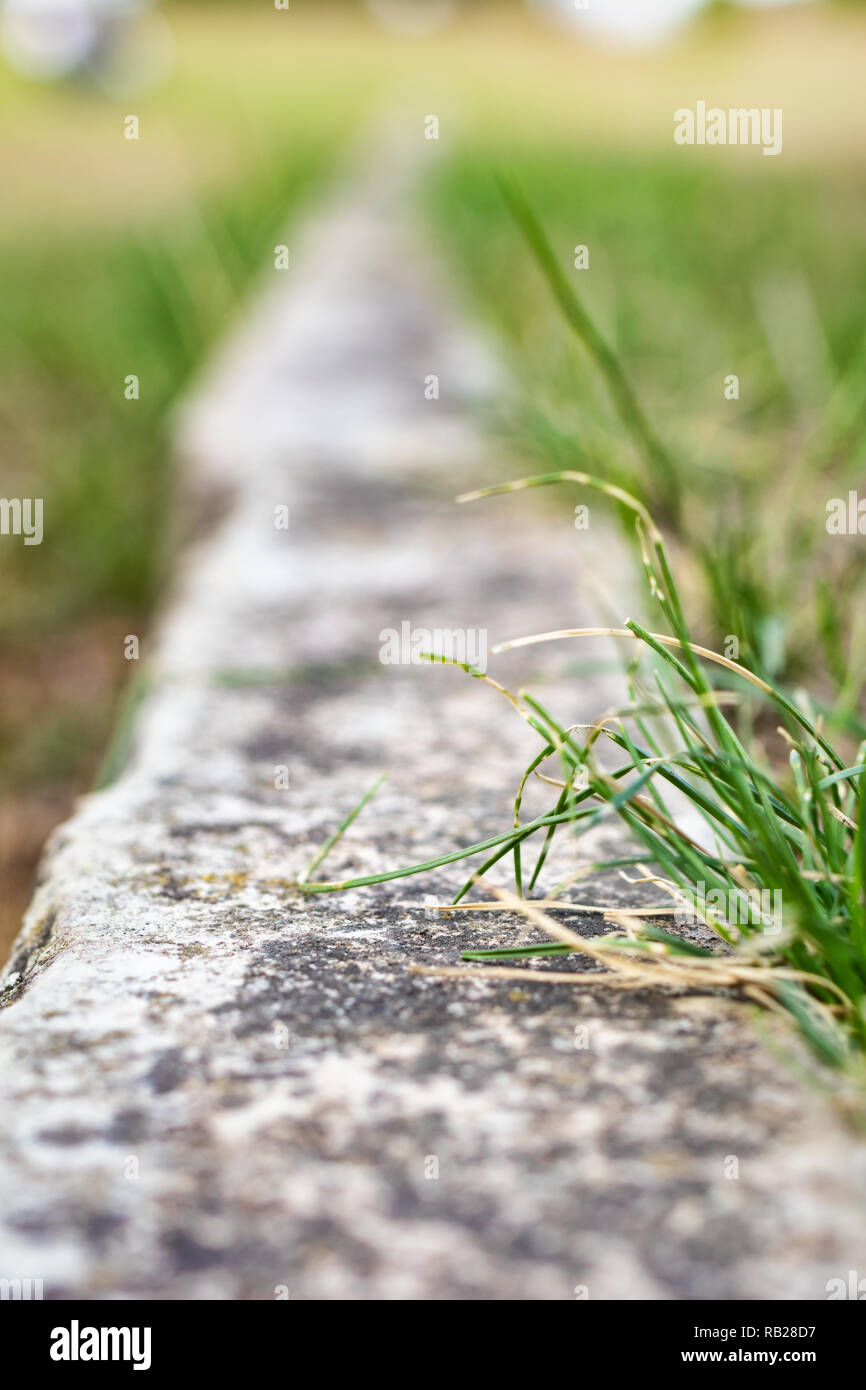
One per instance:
(211, 1087)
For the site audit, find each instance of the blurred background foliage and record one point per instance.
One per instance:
(121, 257)
(697, 273)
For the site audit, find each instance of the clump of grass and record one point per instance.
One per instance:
(799, 839)
(795, 833)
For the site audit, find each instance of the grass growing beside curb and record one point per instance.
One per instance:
(787, 832)
(797, 841)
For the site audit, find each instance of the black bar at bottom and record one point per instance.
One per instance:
(85, 1339)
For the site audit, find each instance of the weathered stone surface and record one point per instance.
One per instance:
(157, 1138)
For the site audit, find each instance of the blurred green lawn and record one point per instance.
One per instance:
(122, 257)
(697, 272)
